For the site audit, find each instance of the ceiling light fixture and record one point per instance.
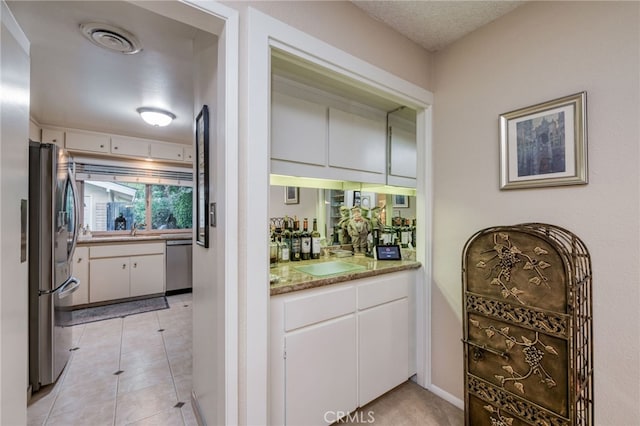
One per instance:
(156, 116)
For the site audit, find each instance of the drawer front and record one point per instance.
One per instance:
(523, 362)
(118, 250)
(319, 307)
(384, 289)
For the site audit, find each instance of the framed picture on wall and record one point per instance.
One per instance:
(291, 195)
(545, 144)
(202, 177)
(401, 201)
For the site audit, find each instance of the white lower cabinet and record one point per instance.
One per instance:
(80, 271)
(383, 342)
(321, 367)
(109, 279)
(336, 348)
(146, 274)
(126, 270)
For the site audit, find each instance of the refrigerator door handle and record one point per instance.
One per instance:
(61, 287)
(76, 213)
(68, 287)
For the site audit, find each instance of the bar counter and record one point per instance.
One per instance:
(286, 278)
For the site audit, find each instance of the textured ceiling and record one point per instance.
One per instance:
(435, 24)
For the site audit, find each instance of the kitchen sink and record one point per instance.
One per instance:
(329, 268)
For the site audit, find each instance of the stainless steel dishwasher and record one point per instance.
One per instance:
(178, 266)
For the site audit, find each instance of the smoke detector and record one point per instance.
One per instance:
(110, 37)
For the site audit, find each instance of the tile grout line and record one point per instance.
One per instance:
(115, 402)
(173, 379)
(62, 379)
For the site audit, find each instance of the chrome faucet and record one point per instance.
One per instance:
(135, 227)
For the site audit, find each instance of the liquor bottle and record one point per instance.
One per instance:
(305, 241)
(315, 241)
(413, 234)
(273, 251)
(284, 245)
(296, 241)
(405, 234)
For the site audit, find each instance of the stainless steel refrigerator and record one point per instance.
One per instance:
(53, 232)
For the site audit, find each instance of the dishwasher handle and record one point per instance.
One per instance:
(179, 242)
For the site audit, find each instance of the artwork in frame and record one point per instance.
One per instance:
(202, 177)
(291, 195)
(545, 144)
(401, 201)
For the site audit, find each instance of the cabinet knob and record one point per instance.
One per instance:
(101, 146)
(135, 265)
(124, 266)
(179, 155)
(115, 147)
(79, 259)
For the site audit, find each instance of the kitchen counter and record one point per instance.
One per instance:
(289, 279)
(127, 238)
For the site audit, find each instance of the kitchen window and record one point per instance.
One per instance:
(117, 206)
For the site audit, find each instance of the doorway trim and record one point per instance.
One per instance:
(223, 21)
(265, 33)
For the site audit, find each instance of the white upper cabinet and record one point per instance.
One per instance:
(357, 143)
(87, 142)
(53, 136)
(188, 154)
(134, 147)
(167, 151)
(117, 145)
(319, 134)
(403, 158)
(298, 130)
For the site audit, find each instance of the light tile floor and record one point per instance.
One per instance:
(137, 371)
(125, 371)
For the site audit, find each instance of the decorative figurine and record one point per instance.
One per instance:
(358, 230)
(343, 225)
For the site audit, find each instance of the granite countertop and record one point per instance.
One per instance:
(289, 279)
(127, 238)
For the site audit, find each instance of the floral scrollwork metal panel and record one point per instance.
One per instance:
(527, 327)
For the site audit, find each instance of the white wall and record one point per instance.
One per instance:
(209, 272)
(307, 207)
(348, 28)
(14, 166)
(542, 51)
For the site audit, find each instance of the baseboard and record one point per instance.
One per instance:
(196, 409)
(446, 396)
(178, 291)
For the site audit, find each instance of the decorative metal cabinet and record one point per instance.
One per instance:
(527, 327)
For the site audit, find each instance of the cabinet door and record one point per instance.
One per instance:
(298, 130)
(80, 270)
(356, 142)
(109, 279)
(188, 154)
(147, 274)
(53, 136)
(167, 151)
(403, 161)
(129, 146)
(383, 338)
(321, 368)
(91, 142)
